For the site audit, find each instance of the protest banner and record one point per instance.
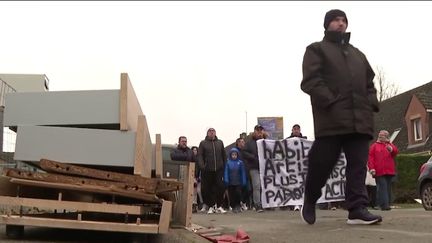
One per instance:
(283, 170)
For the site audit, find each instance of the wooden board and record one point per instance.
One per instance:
(165, 216)
(183, 206)
(130, 108)
(143, 149)
(88, 188)
(95, 108)
(68, 169)
(82, 146)
(76, 224)
(158, 157)
(159, 185)
(71, 205)
(81, 181)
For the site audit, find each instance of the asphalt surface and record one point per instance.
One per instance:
(399, 225)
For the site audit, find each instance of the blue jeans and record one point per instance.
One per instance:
(256, 187)
(384, 190)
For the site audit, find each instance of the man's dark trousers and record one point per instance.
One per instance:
(322, 158)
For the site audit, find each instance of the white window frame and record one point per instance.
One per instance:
(417, 129)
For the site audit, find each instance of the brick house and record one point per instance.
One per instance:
(407, 117)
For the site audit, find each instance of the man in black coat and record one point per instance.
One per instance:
(211, 161)
(339, 80)
(183, 152)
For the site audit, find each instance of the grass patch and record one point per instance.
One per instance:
(408, 205)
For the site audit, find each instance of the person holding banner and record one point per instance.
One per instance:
(339, 80)
(250, 155)
(296, 132)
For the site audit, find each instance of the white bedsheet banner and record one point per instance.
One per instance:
(283, 169)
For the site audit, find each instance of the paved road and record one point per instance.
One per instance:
(399, 225)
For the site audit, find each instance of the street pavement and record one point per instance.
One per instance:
(399, 225)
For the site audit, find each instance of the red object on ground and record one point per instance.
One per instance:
(240, 237)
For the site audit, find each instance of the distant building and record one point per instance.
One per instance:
(27, 82)
(17, 83)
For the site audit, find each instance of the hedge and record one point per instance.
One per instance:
(405, 183)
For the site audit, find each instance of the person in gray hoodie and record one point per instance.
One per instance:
(211, 160)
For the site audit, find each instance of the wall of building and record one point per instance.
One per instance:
(27, 82)
(416, 110)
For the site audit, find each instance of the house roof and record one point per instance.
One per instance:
(426, 99)
(392, 113)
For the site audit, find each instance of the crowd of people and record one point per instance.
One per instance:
(339, 80)
(227, 182)
(231, 182)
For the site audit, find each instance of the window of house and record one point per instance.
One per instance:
(417, 129)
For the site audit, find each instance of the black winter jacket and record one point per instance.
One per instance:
(339, 80)
(211, 155)
(180, 154)
(250, 154)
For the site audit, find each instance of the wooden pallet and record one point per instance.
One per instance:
(65, 210)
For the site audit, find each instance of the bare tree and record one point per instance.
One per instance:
(385, 89)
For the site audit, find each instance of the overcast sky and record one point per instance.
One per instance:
(197, 64)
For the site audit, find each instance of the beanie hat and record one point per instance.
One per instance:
(331, 15)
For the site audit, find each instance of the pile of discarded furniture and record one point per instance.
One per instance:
(94, 165)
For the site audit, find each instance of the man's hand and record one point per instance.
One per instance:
(373, 172)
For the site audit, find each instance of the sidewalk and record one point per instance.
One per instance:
(399, 225)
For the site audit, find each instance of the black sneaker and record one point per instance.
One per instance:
(363, 216)
(308, 213)
(259, 209)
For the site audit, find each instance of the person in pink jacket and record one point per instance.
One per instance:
(382, 166)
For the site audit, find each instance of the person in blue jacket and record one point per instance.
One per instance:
(235, 179)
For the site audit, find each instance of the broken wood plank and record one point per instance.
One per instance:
(63, 168)
(71, 205)
(162, 185)
(57, 178)
(89, 188)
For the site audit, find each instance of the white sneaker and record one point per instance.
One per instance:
(220, 210)
(203, 209)
(297, 208)
(211, 210)
(244, 207)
